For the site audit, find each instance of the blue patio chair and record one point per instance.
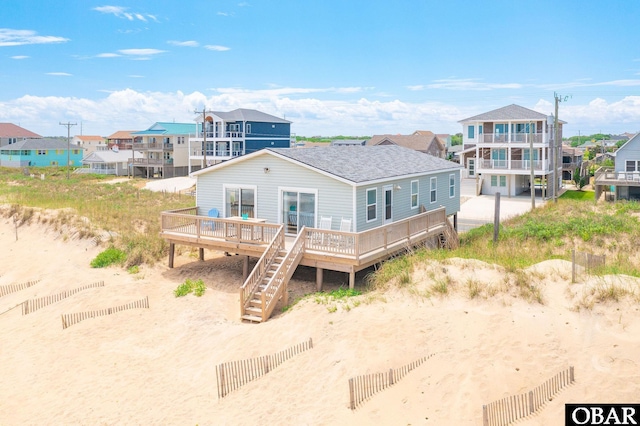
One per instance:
(211, 225)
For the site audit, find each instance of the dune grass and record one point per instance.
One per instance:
(128, 215)
(548, 232)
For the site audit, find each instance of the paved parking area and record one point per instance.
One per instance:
(477, 210)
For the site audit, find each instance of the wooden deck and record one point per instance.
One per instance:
(327, 249)
(279, 256)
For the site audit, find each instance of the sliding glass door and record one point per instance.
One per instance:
(298, 210)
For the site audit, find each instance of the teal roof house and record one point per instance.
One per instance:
(40, 153)
(164, 148)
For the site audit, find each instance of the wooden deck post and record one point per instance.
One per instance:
(319, 279)
(455, 221)
(245, 268)
(201, 254)
(172, 249)
(352, 279)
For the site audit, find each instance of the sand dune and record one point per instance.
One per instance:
(157, 365)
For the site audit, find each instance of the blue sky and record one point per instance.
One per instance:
(331, 67)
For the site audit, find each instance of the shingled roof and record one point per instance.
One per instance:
(243, 114)
(10, 130)
(418, 141)
(360, 164)
(512, 112)
(33, 144)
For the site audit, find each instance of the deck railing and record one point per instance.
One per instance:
(513, 138)
(348, 244)
(609, 174)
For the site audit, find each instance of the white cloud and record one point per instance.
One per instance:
(189, 43)
(60, 74)
(141, 54)
(9, 37)
(108, 55)
(217, 48)
(131, 110)
(470, 84)
(121, 12)
(20, 57)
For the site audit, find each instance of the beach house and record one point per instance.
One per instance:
(421, 140)
(623, 180)
(223, 135)
(164, 150)
(40, 153)
(11, 133)
(506, 143)
(339, 208)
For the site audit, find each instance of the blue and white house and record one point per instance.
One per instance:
(227, 135)
(369, 185)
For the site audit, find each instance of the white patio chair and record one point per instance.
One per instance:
(345, 225)
(325, 224)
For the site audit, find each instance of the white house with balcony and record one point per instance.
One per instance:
(509, 142)
(235, 133)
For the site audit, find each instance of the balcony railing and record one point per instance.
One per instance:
(512, 138)
(218, 135)
(514, 165)
(153, 145)
(151, 162)
(221, 153)
(607, 175)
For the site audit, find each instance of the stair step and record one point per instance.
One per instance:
(255, 302)
(252, 318)
(252, 310)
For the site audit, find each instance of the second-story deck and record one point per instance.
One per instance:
(608, 176)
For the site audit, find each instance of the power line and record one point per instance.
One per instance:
(68, 125)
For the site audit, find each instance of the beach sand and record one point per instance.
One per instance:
(157, 365)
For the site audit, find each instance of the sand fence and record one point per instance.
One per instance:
(585, 263)
(29, 306)
(71, 319)
(12, 288)
(515, 407)
(364, 387)
(234, 374)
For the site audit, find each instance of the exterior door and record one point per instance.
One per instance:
(298, 210)
(388, 204)
(471, 166)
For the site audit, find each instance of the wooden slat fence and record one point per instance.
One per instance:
(585, 263)
(364, 387)
(515, 407)
(234, 374)
(12, 288)
(69, 319)
(32, 305)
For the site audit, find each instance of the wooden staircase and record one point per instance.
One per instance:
(268, 281)
(449, 237)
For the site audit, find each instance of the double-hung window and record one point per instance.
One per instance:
(372, 204)
(452, 185)
(414, 194)
(433, 183)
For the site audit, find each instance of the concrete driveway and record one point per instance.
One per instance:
(477, 210)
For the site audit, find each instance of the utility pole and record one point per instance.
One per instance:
(557, 146)
(532, 185)
(68, 125)
(204, 134)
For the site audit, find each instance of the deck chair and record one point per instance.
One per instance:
(325, 224)
(211, 225)
(345, 225)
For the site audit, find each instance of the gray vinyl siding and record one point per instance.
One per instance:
(334, 198)
(630, 151)
(401, 202)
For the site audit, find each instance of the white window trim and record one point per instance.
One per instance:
(417, 194)
(231, 186)
(313, 191)
(432, 190)
(366, 201)
(452, 176)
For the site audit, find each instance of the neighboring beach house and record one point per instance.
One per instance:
(338, 208)
(123, 139)
(164, 150)
(114, 162)
(623, 181)
(502, 141)
(90, 143)
(235, 133)
(422, 141)
(40, 153)
(10, 134)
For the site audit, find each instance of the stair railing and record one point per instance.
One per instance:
(254, 279)
(278, 283)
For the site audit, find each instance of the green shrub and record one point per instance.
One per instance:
(111, 256)
(189, 286)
